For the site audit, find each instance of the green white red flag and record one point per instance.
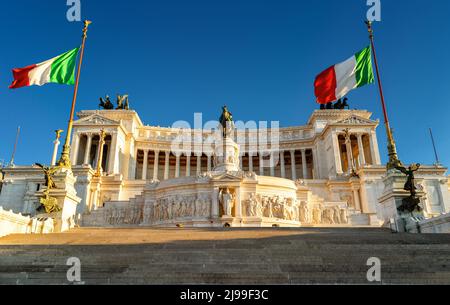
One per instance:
(60, 70)
(338, 80)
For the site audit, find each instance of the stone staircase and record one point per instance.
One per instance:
(225, 256)
(356, 218)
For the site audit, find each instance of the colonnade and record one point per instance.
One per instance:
(162, 165)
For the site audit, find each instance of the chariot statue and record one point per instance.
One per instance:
(106, 103)
(122, 102)
(341, 104)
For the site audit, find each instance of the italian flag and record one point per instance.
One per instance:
(336, 81)
(60, 70)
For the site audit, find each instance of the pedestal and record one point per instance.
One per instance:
(392, 199)
(226, 156)
(67, 199)
(228, 220)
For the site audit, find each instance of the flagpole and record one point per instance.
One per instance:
(434, 148)
(65, 155)
(392, 150)
(11, 163)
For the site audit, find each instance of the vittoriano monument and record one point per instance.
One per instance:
(326, 172)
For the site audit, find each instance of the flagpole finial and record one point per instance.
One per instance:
(369, 28)
(86, 26)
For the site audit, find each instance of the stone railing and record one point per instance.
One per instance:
(12, 223)
(440, 224)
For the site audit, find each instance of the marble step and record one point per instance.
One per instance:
(230, 278)
(204, 256)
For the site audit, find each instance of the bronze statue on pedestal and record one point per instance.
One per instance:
(226, 122)
(411, 203)
(48, 204)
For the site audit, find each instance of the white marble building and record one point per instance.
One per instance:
(304, 180)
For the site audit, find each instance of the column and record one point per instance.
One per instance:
(72, 147)
(188, 165)
(261, 164)
(272, 164)
(167, 165)
(374, 148)
(177, 165)
(99, 153)
(283, 166)
(55, 152)
(363, 200)
(126, 157)
(113, 160)
(316, 164)
(199, 164)
(356, 198)
(362, 158)
(87, 151)
(76, 148)
(238, 208)
(156, 165)
(348, 145)
(294, 171)
(209, 163)
(133, 163)
(250, 162)
(94, 199)
(144, 165)
(304, 167)
(337, 154)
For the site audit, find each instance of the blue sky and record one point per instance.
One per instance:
(177, 57)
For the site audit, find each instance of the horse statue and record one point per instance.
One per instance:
(122, 102)
(341, 104)
(106, 103)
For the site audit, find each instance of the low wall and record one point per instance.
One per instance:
(440, 224)
(12, 223)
